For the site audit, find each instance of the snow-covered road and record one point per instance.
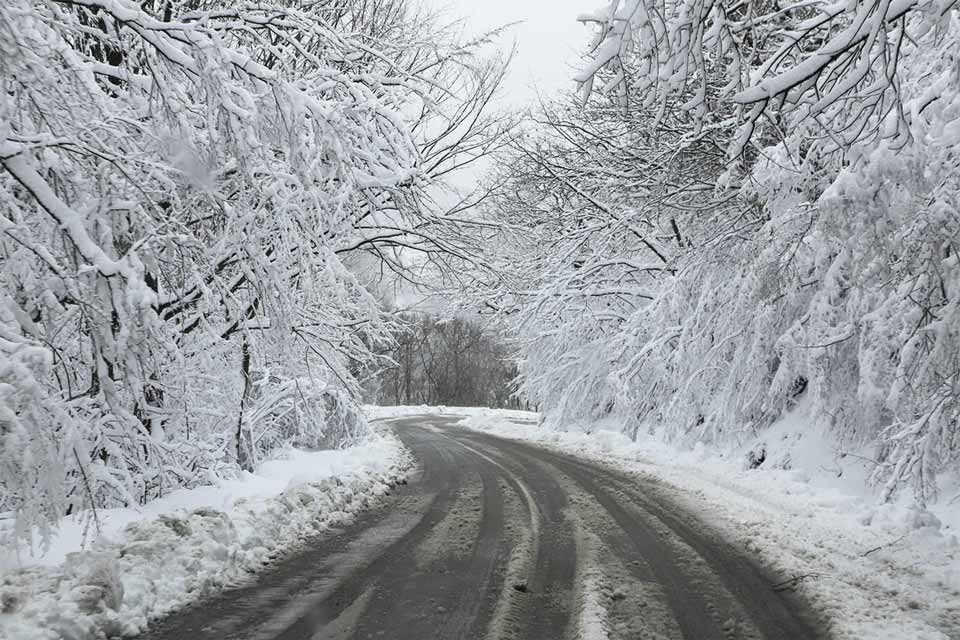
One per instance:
(495, 538)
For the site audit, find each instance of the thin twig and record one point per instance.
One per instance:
(793, 582)
(883, 546)
(86, 485)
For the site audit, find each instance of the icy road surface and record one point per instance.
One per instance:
(499, 539)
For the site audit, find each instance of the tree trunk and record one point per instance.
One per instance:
(244, 439)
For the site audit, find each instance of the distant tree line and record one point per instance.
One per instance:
(446, 362)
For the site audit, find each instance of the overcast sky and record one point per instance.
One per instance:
(548, 39)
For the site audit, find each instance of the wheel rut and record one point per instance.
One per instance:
(711, 590)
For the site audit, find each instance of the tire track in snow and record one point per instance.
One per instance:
(742, 597)
(536, 601)
(437, 580)
(608, 564)
(712, 590)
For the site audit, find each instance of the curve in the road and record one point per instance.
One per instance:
(496, 539)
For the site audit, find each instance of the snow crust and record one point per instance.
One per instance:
(190, 543)
(593, 616)
(878, 571)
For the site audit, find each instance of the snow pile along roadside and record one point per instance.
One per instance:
(878, 571)
(186, 545)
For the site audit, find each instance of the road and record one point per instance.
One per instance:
(498, 539)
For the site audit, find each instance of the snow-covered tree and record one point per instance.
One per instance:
(190, 192)
(595, 210)
(766, 212)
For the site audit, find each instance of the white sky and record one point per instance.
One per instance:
(548, 39)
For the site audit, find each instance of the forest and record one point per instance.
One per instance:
(209, 207)
(201, 201)
(746, 207)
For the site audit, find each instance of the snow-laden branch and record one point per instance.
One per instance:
(14, 161)
(759, 67)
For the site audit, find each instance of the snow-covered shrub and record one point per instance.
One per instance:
(304, 412)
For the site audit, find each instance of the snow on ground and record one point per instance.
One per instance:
(876, 571)
(147, 563)
(593, 616)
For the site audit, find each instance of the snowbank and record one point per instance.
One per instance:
(145, 564)
(878, 571)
